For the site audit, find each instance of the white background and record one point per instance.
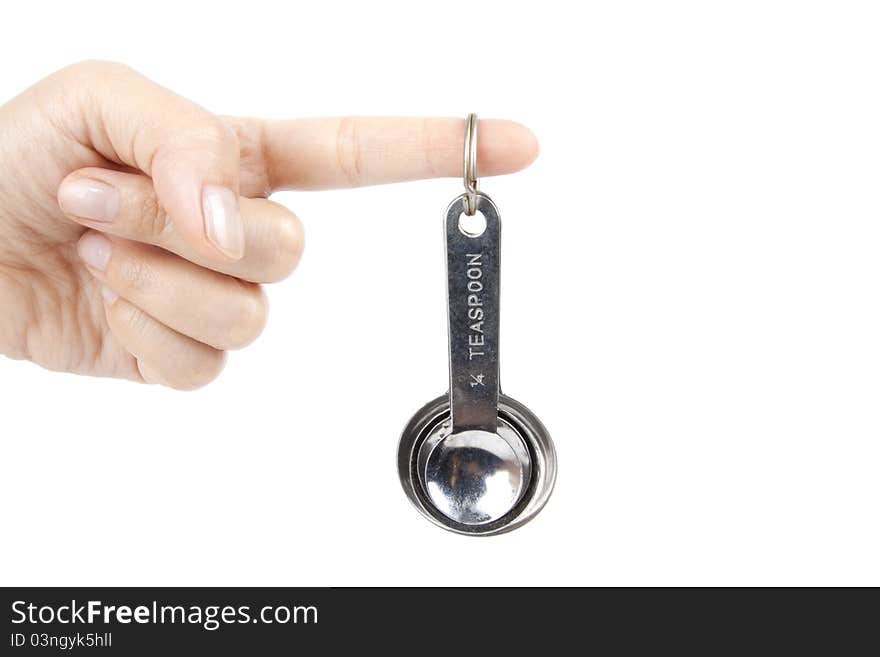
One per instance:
(690, 303)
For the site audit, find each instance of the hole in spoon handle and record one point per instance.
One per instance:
(473, 275)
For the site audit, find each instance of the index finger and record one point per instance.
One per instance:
(322, 153)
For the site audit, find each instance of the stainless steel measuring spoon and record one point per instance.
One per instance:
(475, 461)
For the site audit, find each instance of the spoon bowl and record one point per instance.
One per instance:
(477, 483)
(476, 477)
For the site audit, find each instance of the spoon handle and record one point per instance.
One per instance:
(473, 274)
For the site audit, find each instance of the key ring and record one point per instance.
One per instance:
(469, 168)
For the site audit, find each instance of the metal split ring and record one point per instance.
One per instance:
(469, 169)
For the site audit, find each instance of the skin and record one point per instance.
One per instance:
(168, 296)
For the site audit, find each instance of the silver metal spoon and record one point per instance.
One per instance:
(477, 462)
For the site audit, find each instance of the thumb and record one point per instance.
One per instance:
(191, 155)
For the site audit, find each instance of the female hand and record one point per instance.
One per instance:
(135, 228)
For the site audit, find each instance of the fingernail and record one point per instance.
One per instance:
(94, 249)
(223, 223)
(148, 374)
(109, 295)
(89, 199)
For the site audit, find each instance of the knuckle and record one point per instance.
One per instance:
(348, 152)
(88, 70)
(75, 85)
(252, 144)
(213, 133)
(127, 320)
(248, 318)
(199, 134)
(136, 321)
(132, 274)
(153, 219)
(91, 66)
(215, 130)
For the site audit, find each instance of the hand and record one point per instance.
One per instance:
(135, 228)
